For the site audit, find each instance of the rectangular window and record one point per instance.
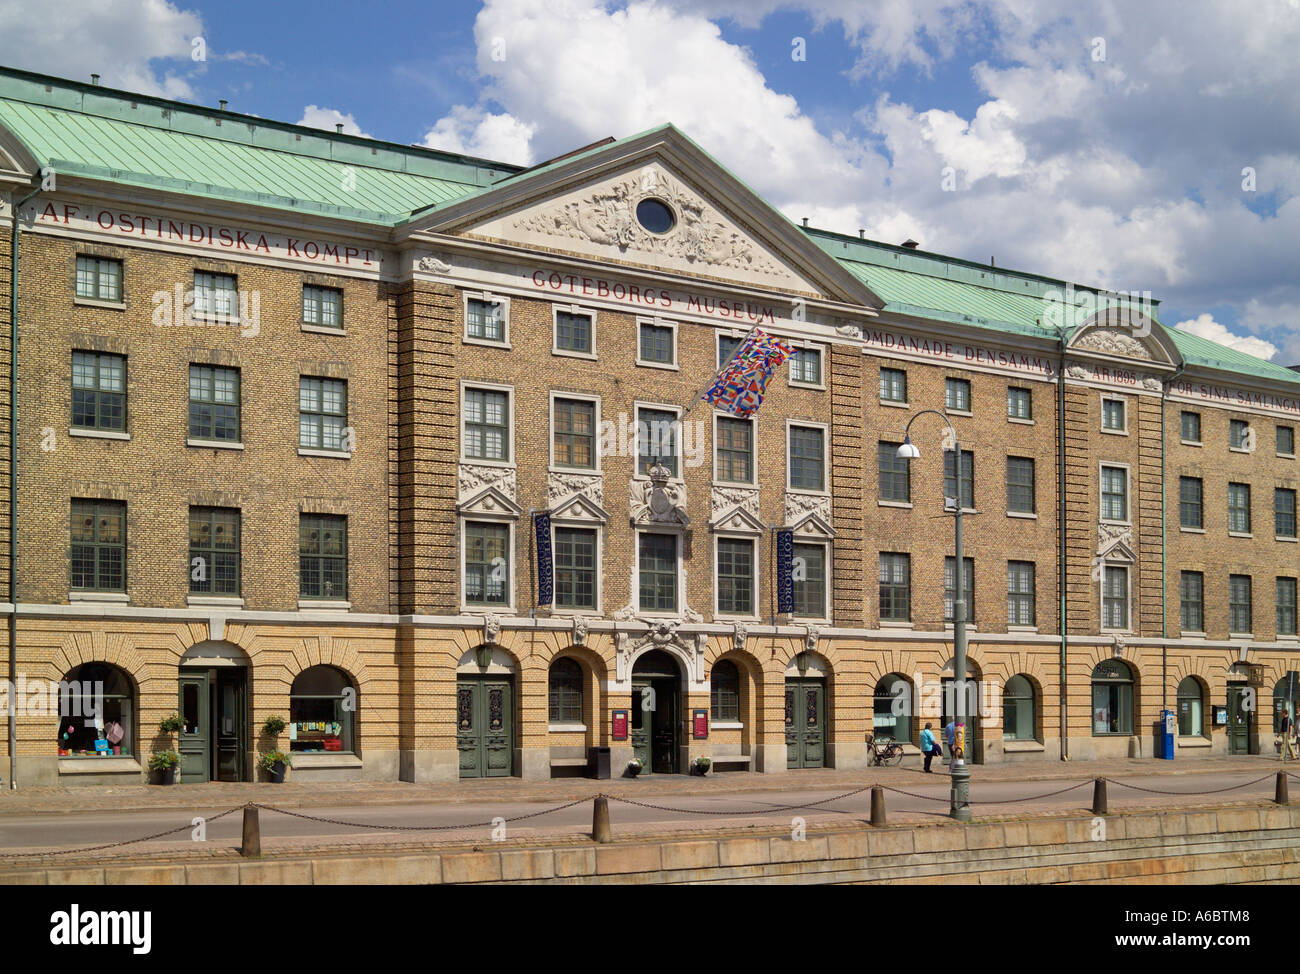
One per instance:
(956, 395)
(1020, 403)
(727, 345)
(1286, 441)
(214, 551)
(99, 278)
(807, 458)
(735, 577)
(98, 391)
(573, 332)
(967, 479)
(487, 424)
(487, 563)
(1020, 485)
(1021, 606)
(895, 586)
(575, 433)
(1239, 509)
(1114, 598)
(1286, 606)
(735, 460)
(485, 320)
(1238, 434)
(1284, 512)
(1191, 595)
(806, 366)
(1112, 414)
(1240, 604)
(1191, 512)
(322, 306)
(216, 295)
(1114, 494)
(322, 556)
(657, 438)
(575, 568)
(950, 587)
(322, 413)
(1191, 427)
(810, 581)
(98, 546)
(895, 473)
(657, 566)
(214, 403)
(893, 385)
(656, 343)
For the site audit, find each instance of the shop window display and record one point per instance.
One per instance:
(96, 713)
(322, 707)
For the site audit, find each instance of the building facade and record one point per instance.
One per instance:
(406, 449)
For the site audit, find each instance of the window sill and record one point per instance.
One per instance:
(1240, 534)
(726, 725)
(1286, 456)
(1012, 746)
(1238, 449)
(1022, 422)
(1114, 432)
(581, 471)
(469, 609)
(1027, 515)
(328, 605)
(99, 434)
(1191, 632)
(569, 612)
(1191, 530)
(959, 412)
(895, 624)
(1022, 629)
(119, 598)
(334, 454)
(100, 303)
(570, 353)
(485, 343)
(1193, 742)
(567, 728)
(507, 464)
(73, 764)
(1196, 443)
(821, 386)
(895, 405)
(1241, 635)
(807, 491)
(905, 505)
(306, 761)
(323, 330)
(1279, 537)
(667, 366)
(215, 600)
(216, 444)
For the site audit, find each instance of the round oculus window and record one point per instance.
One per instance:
(655, 215)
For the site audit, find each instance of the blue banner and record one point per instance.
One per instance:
(545, 567)
(784, 571)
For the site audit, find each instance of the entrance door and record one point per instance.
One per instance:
(805, 723)
(485, 726)
(1239, 714)
(228, 723)
(195, 736)
(656, 713)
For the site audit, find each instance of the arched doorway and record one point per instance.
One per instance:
(974, 736)
(214, 738)
(656, 712)
(805, 712)
(485, 713)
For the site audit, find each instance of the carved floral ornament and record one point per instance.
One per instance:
(562, 486)
(658, 500)
(473, 478)
(608, 216)
(660, 634)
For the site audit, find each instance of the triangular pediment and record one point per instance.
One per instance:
(587, 205)
(737, 520)
(1113, 334)
(579, 507)
(812, 525)
(489, 502)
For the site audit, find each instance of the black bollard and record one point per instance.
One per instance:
(600, 820)
(1281, 796)
(1099, 797)
(252, 847)
(877, 805)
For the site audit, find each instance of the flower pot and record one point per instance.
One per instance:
(633, 770)
(166, 776)
(276, 772)
(700, 769)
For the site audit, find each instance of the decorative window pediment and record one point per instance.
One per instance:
(812, 525)
(489, 502)
(579, 509)
(738, 520)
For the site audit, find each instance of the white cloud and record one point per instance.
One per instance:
(317, 117)
(1205, 326)
(487, 135)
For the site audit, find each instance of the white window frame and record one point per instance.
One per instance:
(467, 384)
(573, 309)
(826, 449)
(1128, 567)
(1128, 492)
(755, 586)
(1249, 430)
(753, 441)
(674, 365)
(970, 396)
(1021, 420)
(893, 403)
(550, 424)
(491, 298)
(1276, 451)
(828, 556)
(821, 366)
(1123, 401)
(463, 520)
(637, 406)
(599, 528)
(718, 336)
(1200, 421)
(306, 325)
(678, 535)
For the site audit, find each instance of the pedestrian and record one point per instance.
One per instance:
(950, 734)
(929, 746)
(1288, 748)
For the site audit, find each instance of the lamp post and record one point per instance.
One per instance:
(959, 792)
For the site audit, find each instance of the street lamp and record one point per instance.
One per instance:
(959, 792)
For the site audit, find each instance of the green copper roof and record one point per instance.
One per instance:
(107, 134)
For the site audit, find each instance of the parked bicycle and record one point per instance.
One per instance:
(885, 753)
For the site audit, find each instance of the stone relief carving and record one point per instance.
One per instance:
(608, 216)
(658, 500)
(739, 636)
(472, 478)
(797, 505)
(849, 331)
(561, 486)
(723, 499)
(580, 626)
(433, 264)
(1118, 646)
(1113, 341)
(491, 628)
(812, 635)
(1078, 372)
(1110, 535)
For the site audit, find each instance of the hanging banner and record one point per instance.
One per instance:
(545, 568)
(784, 571)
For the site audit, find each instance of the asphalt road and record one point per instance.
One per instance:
(927, 798)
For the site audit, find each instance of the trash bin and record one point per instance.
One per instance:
(598, 762)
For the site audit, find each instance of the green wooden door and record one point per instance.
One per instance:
(1239, 715)
(485, 726)
(229, 724)
(642, 722)
(655, 720)
(805, 723)
(195, 735)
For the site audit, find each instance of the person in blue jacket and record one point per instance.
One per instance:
(929, 747)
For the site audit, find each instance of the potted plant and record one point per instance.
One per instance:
(274, 763)
(172, 724)
(165, 764)
(274, 726)
(634, 767)
(701, 765)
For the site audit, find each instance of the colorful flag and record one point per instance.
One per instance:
(740, 385)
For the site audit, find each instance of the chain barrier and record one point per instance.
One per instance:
(1212, 791)
(114, 845)
(734, 812)
(418, 828)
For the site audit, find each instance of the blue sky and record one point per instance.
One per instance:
(1149, 147)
